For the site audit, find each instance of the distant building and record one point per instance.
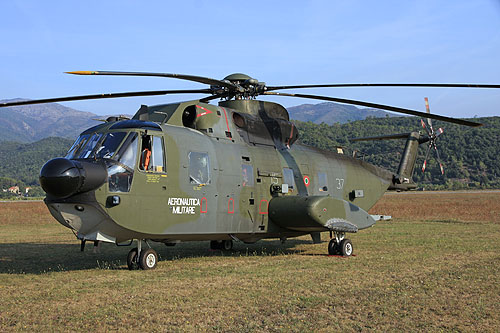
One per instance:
(14, 189)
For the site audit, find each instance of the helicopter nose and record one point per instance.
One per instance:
(62, 178)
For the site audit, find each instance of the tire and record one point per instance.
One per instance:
(227, 245)
(215, 245)
(148, 259)
(346, 248)
(132, 259)
(333, 248)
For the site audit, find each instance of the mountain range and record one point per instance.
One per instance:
(31, 123)
(331, 113)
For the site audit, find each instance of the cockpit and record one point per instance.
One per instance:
(119, 149)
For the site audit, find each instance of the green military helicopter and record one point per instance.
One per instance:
(193, 171)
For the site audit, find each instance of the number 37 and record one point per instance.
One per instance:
(340, 183)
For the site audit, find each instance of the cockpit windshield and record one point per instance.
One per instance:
(108, 147)
(89, 146)
(96, 146)
(75, 148)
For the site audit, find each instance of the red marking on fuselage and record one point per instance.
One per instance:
(207, 111)
(230, 206)
(203, 200)
(266, 207)
(225, 115)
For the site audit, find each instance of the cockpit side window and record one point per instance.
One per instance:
(128, 151)
(121, 167)
(152, 157)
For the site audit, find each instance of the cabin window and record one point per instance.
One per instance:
(288, 178)
(158, 161)
(109, 145)
(322, 182)
(75, 148)
(121, 167)
(152, 157)
(247, 174)
(199, 168)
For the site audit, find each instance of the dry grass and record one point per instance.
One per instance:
(24, 212)
(464, 206)
(437, 275)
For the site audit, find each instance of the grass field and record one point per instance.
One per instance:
(434, 267)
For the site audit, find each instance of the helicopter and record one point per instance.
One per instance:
(195, 171)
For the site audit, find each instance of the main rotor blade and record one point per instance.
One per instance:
(379, 106)
(110, 95)
(382, 137)
(346, 85)
(200, 79)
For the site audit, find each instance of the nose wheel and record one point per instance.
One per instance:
(339, 245)
(143, 259)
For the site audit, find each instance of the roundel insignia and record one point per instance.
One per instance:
(307, 181)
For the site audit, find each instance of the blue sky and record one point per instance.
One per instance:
(279, 42)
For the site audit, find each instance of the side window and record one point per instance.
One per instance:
(247, 174)
(158, 160)
(152, 159)
(120, 174)
(322, 182)
(288, 178)
(199, 168)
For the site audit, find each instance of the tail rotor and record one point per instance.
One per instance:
(432, 136)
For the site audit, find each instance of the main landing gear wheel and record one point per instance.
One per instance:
(340, 245)
(148, 259)
(346, 248)
(225, 245)
(132, 259)
(333, 248)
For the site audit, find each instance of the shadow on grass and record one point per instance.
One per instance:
(39, 258)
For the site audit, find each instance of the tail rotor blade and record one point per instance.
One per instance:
(426, 156)
(425, 127)
(439, 160)
(428, 110)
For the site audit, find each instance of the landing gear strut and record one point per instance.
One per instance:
(144, 259)
(339, 245)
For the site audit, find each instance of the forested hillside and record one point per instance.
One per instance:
(470, 155)
(20, 163)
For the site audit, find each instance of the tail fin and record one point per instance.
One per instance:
(403, 179)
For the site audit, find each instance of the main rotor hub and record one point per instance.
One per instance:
(245, 87)
(237, 78)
